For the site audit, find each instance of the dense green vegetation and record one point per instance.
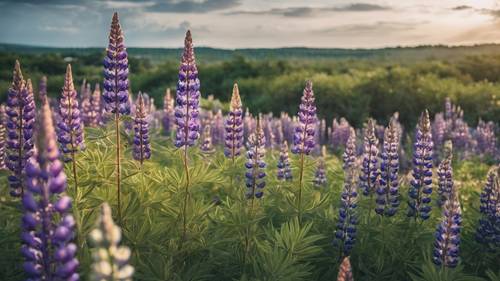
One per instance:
(347, 83)
(396, 248)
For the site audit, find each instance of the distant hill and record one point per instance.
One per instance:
(213, 54)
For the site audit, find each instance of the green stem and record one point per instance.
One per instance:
(118, 168)
(301, 175)
(186, 196)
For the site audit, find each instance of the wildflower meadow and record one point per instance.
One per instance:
(97, 183)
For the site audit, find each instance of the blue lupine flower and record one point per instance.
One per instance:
(234, 126)
(255, 175)
(303, 140)
(488, 230)
(446, 245)
(388, 187)
(421, 184)
(47, 225)
(345, 235)
(20, 128)
(445, 175)
(70, 133)
(188, 98)
(369, 169)
(142, 146)
(284, 171)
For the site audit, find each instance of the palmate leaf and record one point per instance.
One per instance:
(428, 271)
(278, 265)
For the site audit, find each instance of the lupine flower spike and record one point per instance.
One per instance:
(116, 89)
(303, 139)
(369, 170)
(446, 246)
(111, 261)
(168, 112)
(234, 126)
(187, 118)
(20, 124)
(320, 176)
(284, 171)
(488, 231)
(421, 184)
(255, 164)
(47, 225)
(95, 107)
(3, 136)
(345, 235)
(445, 175)
(42, 89)
(187, 98)
(345, 271)
(207, 145)
(142, 147)
(388, 185)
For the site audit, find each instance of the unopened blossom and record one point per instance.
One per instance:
(345, 271)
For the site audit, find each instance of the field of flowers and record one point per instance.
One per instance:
(98, 184)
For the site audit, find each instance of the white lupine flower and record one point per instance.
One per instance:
(110, 259)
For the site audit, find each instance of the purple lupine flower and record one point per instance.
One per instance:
(234, 126)
(47, 225)
(94, 116)
(168, 112)
(446, 245)
(421, 184)
(3, 136)
(206, 145)
(86, 105)
(284, 171)
(485, 138)
(445, 175)
(369, 169)
(345, 235)
(142, 147)
(42, 89)
(20, 124)
(218, 128)
(461, 136)
(116, 71)
(187, 98)
(303, 140)
(388, 185)
(345, 271)
(255, 175)
(320, 174)
(70, 133)
(488, 230)
(439, 129)
(340, 133)
(279, 136)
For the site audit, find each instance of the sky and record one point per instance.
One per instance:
(252, 23)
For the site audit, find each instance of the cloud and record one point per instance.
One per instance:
(312, 11)
(461, 8)
(374, 28)
(361, 7)
(191, 6)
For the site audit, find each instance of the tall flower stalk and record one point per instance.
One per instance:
(445, 175)
(488, 230)
(446, 245)
(142, 147)
(303, 139)
(95, 107)
(70, 133)
(388, 184)
(234, 126)
(47, 225)
(3, 137)
(187, 114)
(255, 175)
(421, 184)
(20, 128)
(116, 88)
(42, 89)
(111, 261)
(345, 235)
